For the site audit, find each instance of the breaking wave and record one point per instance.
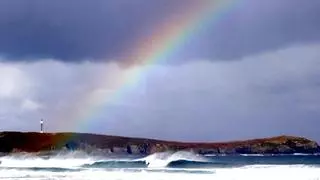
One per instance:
(157, 160)
(166, 165)
(78, 161)
(165, 159)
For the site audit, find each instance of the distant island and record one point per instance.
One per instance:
(40, 142)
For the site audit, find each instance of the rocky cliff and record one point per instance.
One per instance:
(36, 142)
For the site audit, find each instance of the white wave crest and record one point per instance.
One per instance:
(163, 159)
(60, 160)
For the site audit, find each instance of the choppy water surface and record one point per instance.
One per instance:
(168, 165)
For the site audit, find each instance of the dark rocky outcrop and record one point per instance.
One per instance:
(36, 142)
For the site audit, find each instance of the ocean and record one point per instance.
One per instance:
(79, 165)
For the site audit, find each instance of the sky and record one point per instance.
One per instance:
(249, 71)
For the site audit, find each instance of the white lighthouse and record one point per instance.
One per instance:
(41, 126)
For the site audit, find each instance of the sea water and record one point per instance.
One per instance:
(159, 166)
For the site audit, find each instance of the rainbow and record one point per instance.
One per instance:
(167, 38)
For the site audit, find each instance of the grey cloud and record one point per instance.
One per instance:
(268, 94)
(75, 30)
(106, 30)
(253, 27)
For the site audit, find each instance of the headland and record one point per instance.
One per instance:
(41, 142)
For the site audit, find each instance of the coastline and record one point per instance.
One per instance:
(34, 142)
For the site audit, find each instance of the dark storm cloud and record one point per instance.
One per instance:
(77, 29)
(74, 29)
(259, 26)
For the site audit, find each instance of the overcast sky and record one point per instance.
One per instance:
(254, 72)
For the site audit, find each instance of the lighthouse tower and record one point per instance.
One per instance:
(41, 126)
